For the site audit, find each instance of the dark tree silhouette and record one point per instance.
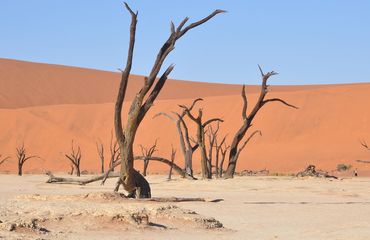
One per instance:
(147, 153)
(133, 182)
(235, 150)
(23, 158)
(75, 158)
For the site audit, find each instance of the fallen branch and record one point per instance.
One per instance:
(362, 161)
(79, 181)
(111, 174)
(311, 172)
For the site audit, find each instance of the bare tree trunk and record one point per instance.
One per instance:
(247, 122)
(100, 149)
(223, 156)
(20, 171)
(72, 170)
(173, 154)
(133, 182)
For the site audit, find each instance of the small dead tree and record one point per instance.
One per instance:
(223, 150)
(23, 158)
(187, 148)
(201, 138)
(212, 140)
(147, 152)
(75, 158)
(235, 150)
(114, 153)
(3, 159)
(133, 182)
(100, 149)
(173, 155)
(218, 150)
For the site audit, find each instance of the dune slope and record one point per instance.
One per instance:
(47, 106)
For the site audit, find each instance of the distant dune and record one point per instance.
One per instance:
(47, 106)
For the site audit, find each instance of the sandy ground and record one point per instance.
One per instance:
(252, 208)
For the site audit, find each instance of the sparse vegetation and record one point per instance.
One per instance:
(343, 167)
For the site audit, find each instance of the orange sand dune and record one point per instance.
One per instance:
(62, 103)
(25, 84)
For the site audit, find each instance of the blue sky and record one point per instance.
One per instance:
(307, 42)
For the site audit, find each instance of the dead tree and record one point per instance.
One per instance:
(218, 150)
(173, 155)
(75, 158)
(212, 140)
(133, 182)
(3, 159)
(100, 149)
(114, 153)
(223, 150)
(201, 138)
(248, 120)
(23, 158)
(147, 152)
(187, 148)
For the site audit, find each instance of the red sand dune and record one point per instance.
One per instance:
(47, 106)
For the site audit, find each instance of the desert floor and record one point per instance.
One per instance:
(251, 208)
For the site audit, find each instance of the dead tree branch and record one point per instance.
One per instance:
(3, 159)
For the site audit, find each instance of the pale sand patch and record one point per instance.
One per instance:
(252, 208)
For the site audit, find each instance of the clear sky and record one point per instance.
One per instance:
(307, 42)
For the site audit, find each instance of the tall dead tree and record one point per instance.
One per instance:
(235, 150)
(23, 158)
(147, 153)
(201, 138)
(133, 182)
(3, 159)
(100, 149)
(187, 148)
(75, 158)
